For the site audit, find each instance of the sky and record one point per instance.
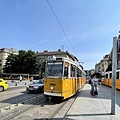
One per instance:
(84, 28)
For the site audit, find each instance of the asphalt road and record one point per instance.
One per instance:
(15, 94)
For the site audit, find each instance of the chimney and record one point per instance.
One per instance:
(45, 50)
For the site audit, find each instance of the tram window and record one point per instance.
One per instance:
(54, 69)
(72, 71)
(110, 75)
(117, 75)
(65, 71)
(106, 76)
(78, 72)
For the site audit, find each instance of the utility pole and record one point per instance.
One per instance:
(114, 67)
(62, 48)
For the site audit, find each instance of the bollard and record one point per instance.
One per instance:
(15, 84)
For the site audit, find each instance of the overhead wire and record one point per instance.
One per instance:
(60, 26)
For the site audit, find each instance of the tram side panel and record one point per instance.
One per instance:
(69, 87)
(118, 79)
(84, 80)
(110, 82)
(118, 84)
(106, 79)
(78, 83)
(105, 82)
(66, 87)
(110, 79)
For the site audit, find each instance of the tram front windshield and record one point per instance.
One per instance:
(54, 69)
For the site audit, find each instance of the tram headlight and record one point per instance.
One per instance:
(52, 88)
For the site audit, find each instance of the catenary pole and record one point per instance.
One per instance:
(114, 66)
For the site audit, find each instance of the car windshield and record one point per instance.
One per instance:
(41, 81)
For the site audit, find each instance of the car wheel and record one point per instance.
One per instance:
(1, 88)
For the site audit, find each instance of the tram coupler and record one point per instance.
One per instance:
(49, 99)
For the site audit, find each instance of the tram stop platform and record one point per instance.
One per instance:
(87, 107)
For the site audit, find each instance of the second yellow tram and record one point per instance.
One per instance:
(108, 79)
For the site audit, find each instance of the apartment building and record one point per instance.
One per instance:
(4, 53)
(103, 64)
(42, 56)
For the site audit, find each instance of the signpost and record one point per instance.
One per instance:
(114, 67)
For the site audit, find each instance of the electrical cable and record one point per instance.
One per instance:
(61, 26)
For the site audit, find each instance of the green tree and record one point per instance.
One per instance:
(0, 72)
(24, 62)
(9, 66)
(43, 68)
(0, 69)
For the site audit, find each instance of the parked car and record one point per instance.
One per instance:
(36, 86)
(3, 85)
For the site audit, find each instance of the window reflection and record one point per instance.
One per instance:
(54, 69)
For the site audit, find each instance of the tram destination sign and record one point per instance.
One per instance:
(51, 58)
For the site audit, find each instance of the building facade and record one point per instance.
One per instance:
(4, 53)
(103, 64)
(42, 56)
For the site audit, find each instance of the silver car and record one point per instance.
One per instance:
(37, 86)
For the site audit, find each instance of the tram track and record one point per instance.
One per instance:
(10, 112)
(40, 109)
(45, 110)
(17, 104)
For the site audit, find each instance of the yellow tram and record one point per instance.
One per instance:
(108, 79)
(64, 77)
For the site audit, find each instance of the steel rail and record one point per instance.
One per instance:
(13, 113)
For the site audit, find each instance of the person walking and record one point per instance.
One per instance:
(94, 83)
(20, 78)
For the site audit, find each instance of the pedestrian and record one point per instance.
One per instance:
(94, 83)
(20, 78)
(31, 79)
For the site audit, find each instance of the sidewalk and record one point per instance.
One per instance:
(87, 107)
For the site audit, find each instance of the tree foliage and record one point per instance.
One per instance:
(43, 68)
(24, 62)
(0, 70)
